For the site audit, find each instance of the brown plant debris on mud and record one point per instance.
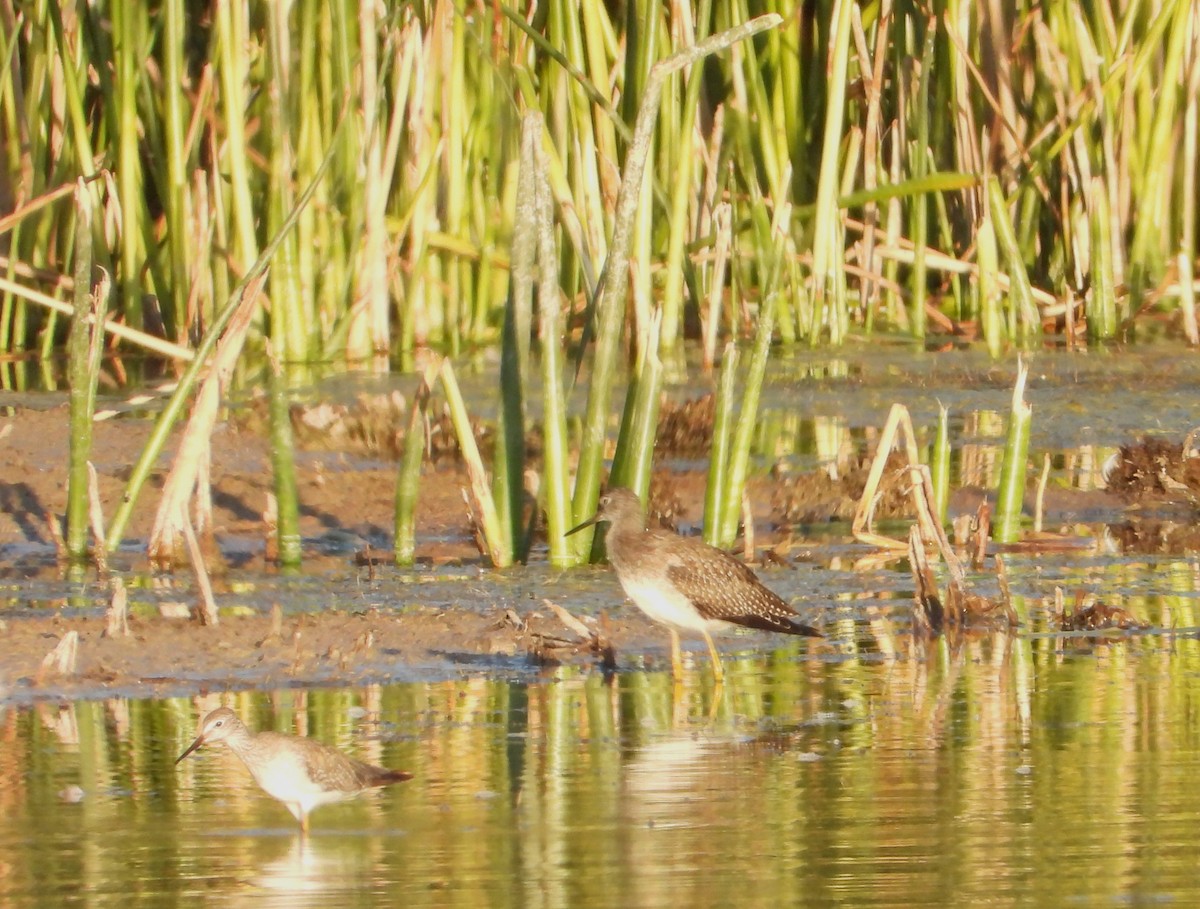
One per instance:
(685, 428)
(815, 497)
(1156, 471)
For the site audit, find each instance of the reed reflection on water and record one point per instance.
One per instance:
(1013, 771)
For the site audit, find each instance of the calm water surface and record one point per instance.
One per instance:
(1030, 770)
(1014, 772)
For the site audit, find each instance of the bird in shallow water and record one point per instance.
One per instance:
(684, 583)
(302, 773)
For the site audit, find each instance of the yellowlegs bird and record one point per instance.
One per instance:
(301, 773)
(684, 583)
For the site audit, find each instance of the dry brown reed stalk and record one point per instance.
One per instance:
(929, 617)
(96, 519)
(54, 526)
(898, 423)
(480, 503)
(189, 473)
(112, 327)
(62, 660)
(207, 611)
(116, 616)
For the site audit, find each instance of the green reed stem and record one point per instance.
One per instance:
(556, 481)
(1020, 291)
(283, 467)
(232, 37)
(1102, 310)
(739, 450)
(828, 260)
(408, 483)
(920, 203)
(508, 467)
(939, 465)
(988, 287)
(681, 192)
(718, 458)
(84, 371)
(178, 189)
(128, 22)
(611, 305)
(1011, 494)
(635, 444)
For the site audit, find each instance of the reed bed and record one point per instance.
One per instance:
(1067, 133)
(822, 171)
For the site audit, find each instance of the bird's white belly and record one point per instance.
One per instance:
(665, 605)
(289, 781)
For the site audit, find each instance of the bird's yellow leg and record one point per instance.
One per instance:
(676, 656)
(304, 825)
(718, 669)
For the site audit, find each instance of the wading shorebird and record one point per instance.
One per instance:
(302, 773)
(686, 584)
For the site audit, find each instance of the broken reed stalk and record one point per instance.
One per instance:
(1039, 503)
(62, 660)
(83, 349)
(408, 482)
(116, 616)
(207, 607)
(497, 545)
(610, 307)
(1011, 493)
(898, 422)
(189, 470)
(96, 520)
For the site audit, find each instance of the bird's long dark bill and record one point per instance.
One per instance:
(192, 747)
(578, 527)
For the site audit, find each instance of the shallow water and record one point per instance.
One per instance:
(1016, 772)
(1030, 770)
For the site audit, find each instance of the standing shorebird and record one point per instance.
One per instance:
(301, 773)
(686, 584)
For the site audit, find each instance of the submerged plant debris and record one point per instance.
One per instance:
(1090, 614)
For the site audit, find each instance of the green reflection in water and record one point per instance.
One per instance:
(1014, 772)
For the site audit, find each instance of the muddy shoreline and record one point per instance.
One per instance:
(346, 511)
(346, 507)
